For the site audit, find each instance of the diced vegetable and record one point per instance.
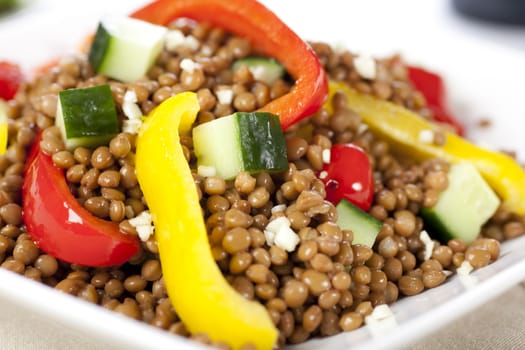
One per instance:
(364, 226)
(3, 126)
(125, 48)
(203, 298)
(466, 204)
(267, 70)
(10, 79)
(87, 117)
(61, 226)
(348, 174)
(251, 142)
(402, 128)
(432, 87)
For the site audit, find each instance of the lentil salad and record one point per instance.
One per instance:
(395, 267)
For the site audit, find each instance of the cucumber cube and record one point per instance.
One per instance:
(252, 142)
(87, 117)
(461, 209)
(364, 226)
(126, 48)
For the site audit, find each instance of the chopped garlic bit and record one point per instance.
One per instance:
(365, 66)
(279, 233)
(206, 170)
(323, 175)
(176, 39)
(189, 65)
(429, 244)
(278, 208)
(143, 225)
(327, 155)
(381, 320)
(465, 269)
(426, 136)
(225, 96)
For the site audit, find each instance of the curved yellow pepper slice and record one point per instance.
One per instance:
(402, 128)
(3, 127)
(199, 293)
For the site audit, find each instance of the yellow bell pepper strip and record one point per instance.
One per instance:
(402, 128)
(3, 127)
(196, 287)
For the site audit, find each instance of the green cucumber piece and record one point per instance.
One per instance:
(364, 226)
(126, 48)
(87, 117)
(461, 209)
(252, 142)
(267, 70)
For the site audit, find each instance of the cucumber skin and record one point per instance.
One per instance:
(349, 214)
(439, 230)
(248, 141)
(261, 129)
(89, 112)
(99, 47)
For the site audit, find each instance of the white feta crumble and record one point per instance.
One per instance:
(130, 96)
(225, 96)
(464, 275)
(131, 110)
(131, 126)
(129, 105)
(189, 65)
(365, 66)
(426, 136)
(464, 269)
(278, 208)
(174, 39)
(206, 50)
(279, 233)
(143, 224)
(381, 320)
(327, 155)
(429, 244)
(206, 170)
(191, 42)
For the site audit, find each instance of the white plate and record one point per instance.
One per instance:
(484, 80)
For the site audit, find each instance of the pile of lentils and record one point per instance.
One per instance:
(327, 285)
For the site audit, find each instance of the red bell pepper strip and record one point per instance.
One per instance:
(10, 79)
(60, 226)
(432, 87)
(268, 35)
(348, 175)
